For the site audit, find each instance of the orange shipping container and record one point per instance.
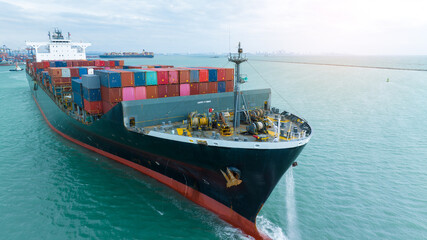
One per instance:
(56, 81)
(184, 76)
(112, 95)
(55, 72)
(229, 86)
(229, 74)
(39, 65)
(128, 79)
(151, 91)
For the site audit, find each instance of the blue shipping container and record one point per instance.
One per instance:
(82, 71)
(213, 75)
(116, 63)
(78, 99)
(109, 79)
(92, 95)
(194, 75)
(91, 81)
(60, 64)
(76, 86)
(139, 76)
(221, 86)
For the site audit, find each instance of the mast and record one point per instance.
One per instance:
(237, 59)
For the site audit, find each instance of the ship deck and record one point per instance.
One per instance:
(264, 129)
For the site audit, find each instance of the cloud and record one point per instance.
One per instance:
(306, 26)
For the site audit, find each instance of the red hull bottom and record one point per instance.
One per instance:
(223, 212)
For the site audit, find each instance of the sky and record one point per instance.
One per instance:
(357, 27)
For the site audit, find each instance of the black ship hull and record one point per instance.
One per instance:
(193, 170)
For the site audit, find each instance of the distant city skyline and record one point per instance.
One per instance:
(365, 27)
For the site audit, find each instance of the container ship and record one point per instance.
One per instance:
(190, 128)
(143, 54)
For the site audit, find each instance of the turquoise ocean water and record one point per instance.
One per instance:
(362, 176)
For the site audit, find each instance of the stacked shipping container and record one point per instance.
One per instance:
(97, 86)
(92, 94)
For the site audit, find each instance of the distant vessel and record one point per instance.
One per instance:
(191, 129)
(16, 69)
(143, 54)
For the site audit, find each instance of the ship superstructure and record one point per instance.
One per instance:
(59, 48)
(191, 128)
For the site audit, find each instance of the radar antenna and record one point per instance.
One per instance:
(237, 59)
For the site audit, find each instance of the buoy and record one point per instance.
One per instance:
(388, 80)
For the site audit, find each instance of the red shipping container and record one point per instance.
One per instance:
(112, 95)
(229, 74)
(203, 75)
(151, 91)
(204, 88)
(184, 76)
(140, 93)
(212, 87)
(162, 90)
(173, 90)
(74, 72)
(99, 63)
(229, 86)
(221, 74)
(46, 64)
(194, 88)
(162, 76)
(184, 89)
(93, 107)
(107, 106)
(173, 76)
(111, 63)
(91, 63)
(121, 63)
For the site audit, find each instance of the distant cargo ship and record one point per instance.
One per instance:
(143, 54)
(190, 128)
